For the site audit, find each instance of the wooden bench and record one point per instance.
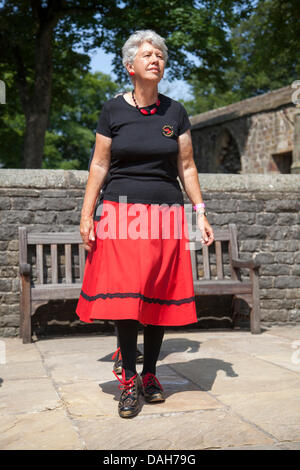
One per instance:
(247, 290)
(33, 295)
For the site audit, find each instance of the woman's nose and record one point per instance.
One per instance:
(153, 58)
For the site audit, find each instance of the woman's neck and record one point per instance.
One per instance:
(145, 96)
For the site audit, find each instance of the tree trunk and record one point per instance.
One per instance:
(34, 138)
(37, 108)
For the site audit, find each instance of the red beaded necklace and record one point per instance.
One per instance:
(146, 110)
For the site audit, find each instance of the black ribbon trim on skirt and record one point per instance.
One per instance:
(151, 300)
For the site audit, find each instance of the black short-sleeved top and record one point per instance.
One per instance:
(143, 152)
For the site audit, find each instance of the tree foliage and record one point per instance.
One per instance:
(71, 132)
(266, 55)
(228, 50)
(38, 41)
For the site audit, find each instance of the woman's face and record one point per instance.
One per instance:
(149, 63)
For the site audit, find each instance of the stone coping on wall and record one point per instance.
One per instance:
(39, 179)
(256, 104)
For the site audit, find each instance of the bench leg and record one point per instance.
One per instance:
(25, 314)
(235, 309)
(255, 310)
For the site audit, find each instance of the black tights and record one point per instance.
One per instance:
(127, 332)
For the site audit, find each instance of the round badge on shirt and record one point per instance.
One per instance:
(167, 131)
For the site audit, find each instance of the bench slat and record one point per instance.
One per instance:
(54, 266)
(22, 245)
(233, 250)
(206, 266)
(39, 264)
(25, 299)
(219, 262)
(55, 291)
(68, 263)
(81, 261)
(53, 237)
(219, 287)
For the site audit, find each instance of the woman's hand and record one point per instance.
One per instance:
(87, 232)
(206, 230)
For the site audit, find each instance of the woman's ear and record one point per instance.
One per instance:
(129, 69)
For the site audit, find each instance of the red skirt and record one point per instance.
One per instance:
(139, 267)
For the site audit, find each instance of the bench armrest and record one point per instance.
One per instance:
(248, 263)
(24, 269)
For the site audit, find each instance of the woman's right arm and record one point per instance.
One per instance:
(98, 170)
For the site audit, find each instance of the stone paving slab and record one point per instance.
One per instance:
(207, 429)
(23, 370)
(16, 351)
(51, 430)
(231, 373)
(283, 359)
(279, 446)
(224, 390)
(233, 343)
(27, 396)
(291, 445)
(58, 346)
(291, 332)
(181, 396)
(277, 412)
(76, 367)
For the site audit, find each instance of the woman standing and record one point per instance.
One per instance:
(138, 267)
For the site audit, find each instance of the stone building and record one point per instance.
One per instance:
(256, 135)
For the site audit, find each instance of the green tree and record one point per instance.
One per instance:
(71, 133)
(12, 126)
(266, 54)
(38, 39)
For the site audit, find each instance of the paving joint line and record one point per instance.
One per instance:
(278, 365)
(64, 405)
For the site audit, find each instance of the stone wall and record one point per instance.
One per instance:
(265, 209)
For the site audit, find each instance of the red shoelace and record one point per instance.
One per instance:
(125, 384)
(151, 379)
(116, 352)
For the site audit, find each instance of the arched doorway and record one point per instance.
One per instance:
(227, 156)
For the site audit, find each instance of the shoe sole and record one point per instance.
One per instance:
(155, 399)
(129, 414)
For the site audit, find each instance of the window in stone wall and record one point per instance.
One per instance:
(227, 156)
(281, 162)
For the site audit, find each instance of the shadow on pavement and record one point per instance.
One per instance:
(203, 372)
(170, 345)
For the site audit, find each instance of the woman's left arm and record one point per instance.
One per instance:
(188, 175)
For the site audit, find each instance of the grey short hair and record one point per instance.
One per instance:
(132, 44)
